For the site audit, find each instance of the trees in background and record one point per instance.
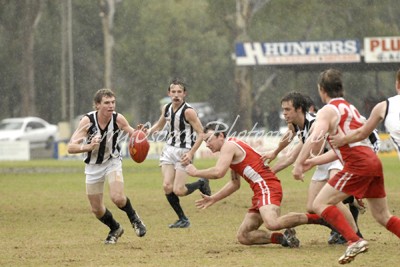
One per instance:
(137, 47)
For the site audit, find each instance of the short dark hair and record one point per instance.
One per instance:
(98, 96)
(298, 100)
(217, 127)
(179, 82)
(331, 81)
(310, 103)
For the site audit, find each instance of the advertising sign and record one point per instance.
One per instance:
(382, 49)
(285, 53)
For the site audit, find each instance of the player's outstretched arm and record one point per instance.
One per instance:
(228, 189)
(285, 140)
(289, 159)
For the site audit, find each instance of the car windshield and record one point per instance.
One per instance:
(10, 125)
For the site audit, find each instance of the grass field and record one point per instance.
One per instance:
(45, 220)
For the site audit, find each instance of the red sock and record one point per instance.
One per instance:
(276, 238)
(393, 225)
(335, 218)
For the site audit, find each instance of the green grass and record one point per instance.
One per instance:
(45, 220)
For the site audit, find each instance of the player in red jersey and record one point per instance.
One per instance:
(244, 161)
(362, 174)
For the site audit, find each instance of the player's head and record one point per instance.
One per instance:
(216, 127)
(179, 82)
(311, 107)
(98, 96)
(298, 101)
(214, 136)
(330, 82)
(177, 91)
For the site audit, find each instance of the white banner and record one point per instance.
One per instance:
(14, 150)
(382, 49)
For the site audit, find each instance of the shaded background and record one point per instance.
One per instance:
(154, 41)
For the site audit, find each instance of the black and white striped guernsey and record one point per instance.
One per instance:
(308, 122)
(109, 139)
(180, 132)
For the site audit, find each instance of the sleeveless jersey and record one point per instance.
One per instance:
(108, 147)
(308, 122)
(251, 168)
(305, 133)
(180, 132)
(358, 157)
(392, 120)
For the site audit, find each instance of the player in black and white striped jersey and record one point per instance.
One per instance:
(183, 140)
(97, 135)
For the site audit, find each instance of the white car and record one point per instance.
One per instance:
(37, 131)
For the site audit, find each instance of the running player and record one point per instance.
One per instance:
(97, 135)
(184, 138)
(387, 111)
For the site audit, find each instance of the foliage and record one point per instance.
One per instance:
(194, 39)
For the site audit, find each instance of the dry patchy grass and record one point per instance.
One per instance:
(45, 220)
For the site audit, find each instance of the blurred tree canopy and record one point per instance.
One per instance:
(156, 41)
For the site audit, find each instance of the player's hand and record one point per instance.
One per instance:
(191, 169)
(205, 202)
(298, 172)
(141, 127)
(95, 142)
(186, 159)
(269, 156)
(337, 140)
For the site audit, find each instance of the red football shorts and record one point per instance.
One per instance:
(360, 186)
(266, 193)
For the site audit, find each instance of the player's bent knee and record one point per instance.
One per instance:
(180, 192)
(242, 238)
(118, 200)
(273, 226)
(167, 188)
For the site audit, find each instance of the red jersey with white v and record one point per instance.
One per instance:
(357, 157)
(251, 168)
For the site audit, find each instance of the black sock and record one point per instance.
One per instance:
(109, 220)
(193, 186)
(348, 200)
(129, 210)
(174, 202)
(355, 212)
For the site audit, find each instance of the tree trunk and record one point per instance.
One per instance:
(30, 16)
(107, 16)
(243, 75)
(63, 74)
